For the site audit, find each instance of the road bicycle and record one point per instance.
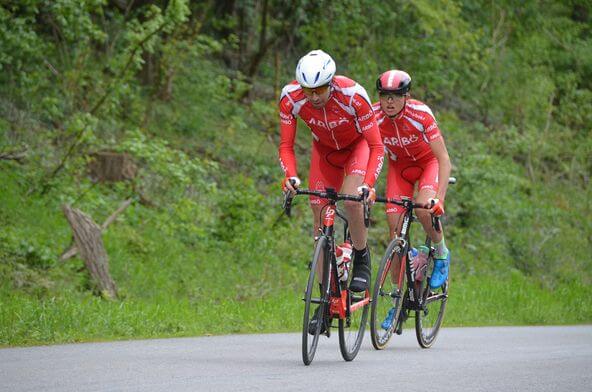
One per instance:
(402, 285)
(325, 290)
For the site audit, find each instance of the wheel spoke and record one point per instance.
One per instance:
(387, 300)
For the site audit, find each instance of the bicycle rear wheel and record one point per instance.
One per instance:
(351, 331)
(316, 295)
(387, 294)
(429, 320)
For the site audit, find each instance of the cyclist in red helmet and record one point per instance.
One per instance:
(417, 154)
(347, 152)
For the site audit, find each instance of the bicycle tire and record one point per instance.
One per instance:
(310, 341)
(427, 321)
(350, 343)
(386, 294)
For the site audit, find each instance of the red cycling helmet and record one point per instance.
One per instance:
(394, 81)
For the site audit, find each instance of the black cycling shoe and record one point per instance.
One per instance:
(361, 272)
(312, 324)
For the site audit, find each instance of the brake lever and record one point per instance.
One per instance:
(365, 193)
(436, 220)
(287, 205)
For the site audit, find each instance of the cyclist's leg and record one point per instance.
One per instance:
(354, 211)
(428, 185)
(321, 175)
(396, 187)
(355, 170)
(354, 165)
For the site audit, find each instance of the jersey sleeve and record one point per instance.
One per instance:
(430, 126)
(287, 136)
(432, 132)
(369, 128)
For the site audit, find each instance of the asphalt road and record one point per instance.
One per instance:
(462, 359)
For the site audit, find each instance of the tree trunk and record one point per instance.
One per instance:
(87, 235)
(73, 250)
(107, 166)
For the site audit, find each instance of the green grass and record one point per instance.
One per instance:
(26, 320)
(30, 321)
(515, 300)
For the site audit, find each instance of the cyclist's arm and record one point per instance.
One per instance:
(287, 136)
(444, 166)
(371, 133)
(438, 147)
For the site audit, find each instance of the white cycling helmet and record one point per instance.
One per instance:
(315, 69)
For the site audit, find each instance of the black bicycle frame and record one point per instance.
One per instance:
(328, 231)
(414, 300)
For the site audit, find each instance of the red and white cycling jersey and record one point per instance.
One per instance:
(342, 123)
(408, 135)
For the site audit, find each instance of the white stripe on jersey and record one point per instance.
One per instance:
(416, 124)
(348, 109)
(422, 108)
(298, 105)
(355, 89)
(289, 88)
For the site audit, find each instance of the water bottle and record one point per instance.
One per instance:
(421, 261)
(412, 256)
(343, 256)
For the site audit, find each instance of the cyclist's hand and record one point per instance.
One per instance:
(370, 192)
(290, 184)
(437, 207)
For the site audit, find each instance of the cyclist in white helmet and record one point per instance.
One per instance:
(347, 151)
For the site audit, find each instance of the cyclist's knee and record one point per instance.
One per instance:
(317, 209)
(353, 207)
(422, 214)
(394, 221)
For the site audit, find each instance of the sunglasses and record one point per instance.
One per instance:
(392, 94)
(320, 90)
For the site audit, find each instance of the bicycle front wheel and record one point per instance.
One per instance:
(315, 302)
(351, 330)
(429, 319)
(387, 297)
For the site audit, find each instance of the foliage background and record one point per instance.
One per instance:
(190, 90)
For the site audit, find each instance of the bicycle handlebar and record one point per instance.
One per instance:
(330, 194)
(404, 202)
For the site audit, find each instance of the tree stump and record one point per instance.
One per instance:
(87, 235)
(107, 166)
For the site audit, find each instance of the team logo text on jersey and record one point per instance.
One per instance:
(366, 116)
(405, 141)
(379, 168)
(332, 124)
(368, 126)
